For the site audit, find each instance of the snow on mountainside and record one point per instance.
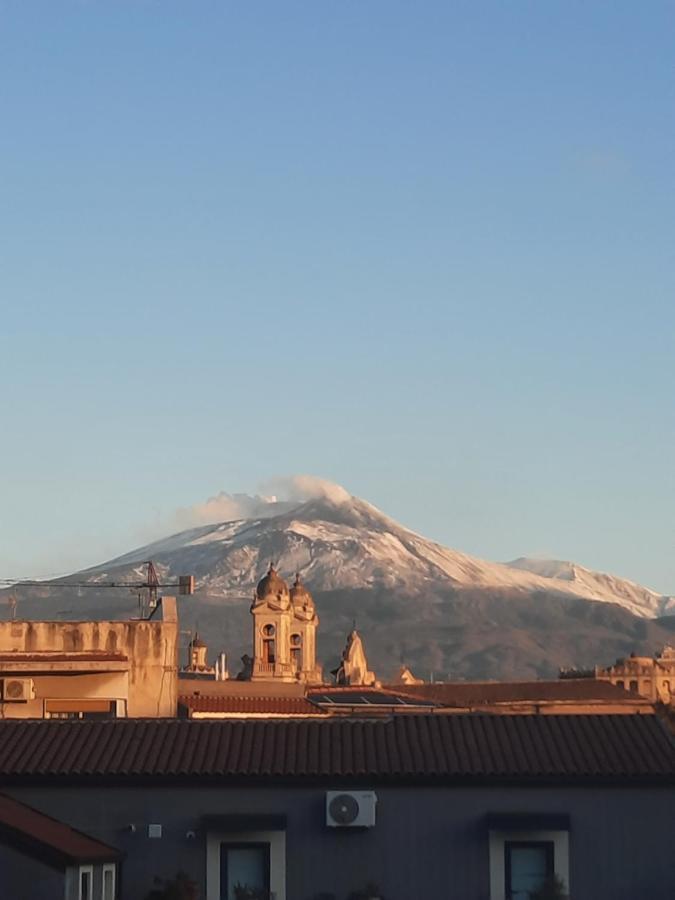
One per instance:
(346, 543)
(600, 586)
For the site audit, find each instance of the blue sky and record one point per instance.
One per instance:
(423, 250)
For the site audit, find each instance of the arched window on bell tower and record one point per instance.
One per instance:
(269, 643)
(296, 651)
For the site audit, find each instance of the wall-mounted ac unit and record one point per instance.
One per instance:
(17, 690)
(350, 809)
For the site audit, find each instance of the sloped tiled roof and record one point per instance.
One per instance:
(254, 706)
(416, 746)
(47, 839)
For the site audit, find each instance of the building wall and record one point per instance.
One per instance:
(150, 645)
(652, 678)
(24, 878)
(92, 686)
(429, 843)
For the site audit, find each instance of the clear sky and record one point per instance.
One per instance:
(424, 250)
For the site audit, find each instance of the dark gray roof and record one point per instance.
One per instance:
(461, 746)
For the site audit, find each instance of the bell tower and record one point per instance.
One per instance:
(284, 632)
(303, 634)
(272, 613)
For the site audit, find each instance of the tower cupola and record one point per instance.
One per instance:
(273, 590)
(301, 598)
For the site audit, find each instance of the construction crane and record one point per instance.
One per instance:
(147, 590)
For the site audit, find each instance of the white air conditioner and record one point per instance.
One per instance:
(350, 809)
(17, 690)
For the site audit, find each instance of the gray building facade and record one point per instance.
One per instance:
(441, 830)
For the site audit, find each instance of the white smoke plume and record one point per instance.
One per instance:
(300, 488)
(278, 495)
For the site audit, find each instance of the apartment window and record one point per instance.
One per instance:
(244, 865)
(80, 709)
(109, 882)
(524, 851)
(86, 882)
(253, 857)
(527, 865)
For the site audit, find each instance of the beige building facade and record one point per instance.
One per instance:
(651, 677)
(90, 669)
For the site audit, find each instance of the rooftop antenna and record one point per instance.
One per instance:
(153, 584)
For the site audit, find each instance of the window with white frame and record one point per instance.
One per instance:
(525, 853)
(244, 865)
(254, 859)
(86, 883)
(527, 867)
(109, 881)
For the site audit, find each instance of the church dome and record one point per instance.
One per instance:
(272, 585)
(300, 595)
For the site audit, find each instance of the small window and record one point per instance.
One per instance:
(109, 873)
(80, 709)
(527, 866)
(634, 687)
(296, 651)
(244, 866)
(86, 883)
(269, 644)
(620, 684)
(666, 687)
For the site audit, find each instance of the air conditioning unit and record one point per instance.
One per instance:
(350, 809)
(17, 690)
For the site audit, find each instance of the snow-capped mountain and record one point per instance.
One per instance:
(415, 601)
(349, 544)
(600, 586)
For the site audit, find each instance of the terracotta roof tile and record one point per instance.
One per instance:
(460, 693)
(461, 745)
(242, 705)
(47, 839)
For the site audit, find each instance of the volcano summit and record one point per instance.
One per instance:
(415, 601)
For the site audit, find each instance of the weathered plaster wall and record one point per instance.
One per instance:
(151, 647)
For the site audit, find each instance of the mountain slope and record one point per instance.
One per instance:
(600, 586)
(352, 545)
(414, 600)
